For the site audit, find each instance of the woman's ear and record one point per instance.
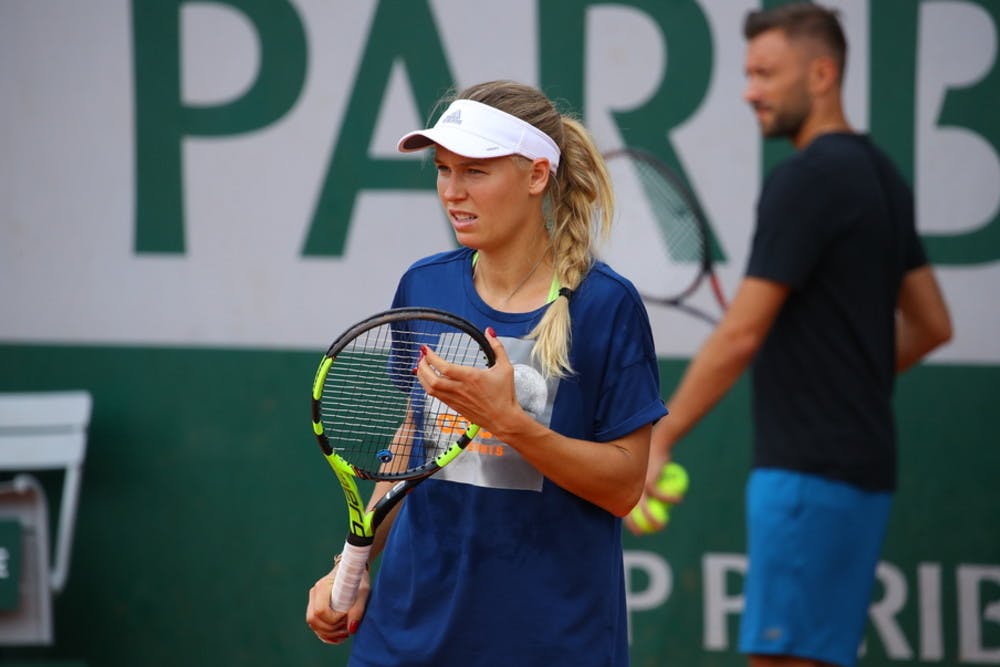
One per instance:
(539, 176)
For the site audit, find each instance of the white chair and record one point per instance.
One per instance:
(41, 431)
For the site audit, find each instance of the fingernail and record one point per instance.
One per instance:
(353, 627)
(423, 351)
(415, 368)
(491, 332)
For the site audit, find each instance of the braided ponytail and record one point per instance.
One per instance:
(579, 203)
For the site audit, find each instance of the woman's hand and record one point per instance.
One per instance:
(482, 396)
(334, 627)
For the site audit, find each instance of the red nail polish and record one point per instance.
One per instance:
(423, 351)
(353, 627)
(491, 332)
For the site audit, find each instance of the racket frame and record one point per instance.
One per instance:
(705, 268)
(363, 523)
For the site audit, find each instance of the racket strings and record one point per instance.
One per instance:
(679, 224)
(662, 236)
(374, 412)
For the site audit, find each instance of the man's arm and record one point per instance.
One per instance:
(719, 363)
(922, 319)
(713, 371)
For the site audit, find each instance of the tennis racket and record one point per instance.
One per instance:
(662, 234)
(374, 421)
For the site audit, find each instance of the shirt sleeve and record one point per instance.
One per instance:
(792, 229)
(630, 397)
(915, 256)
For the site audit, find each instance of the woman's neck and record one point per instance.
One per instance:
(514, 280)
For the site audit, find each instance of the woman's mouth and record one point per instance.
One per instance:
(462, 220)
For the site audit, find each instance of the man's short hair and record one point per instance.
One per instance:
(802, 20)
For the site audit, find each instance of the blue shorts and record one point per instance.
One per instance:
(813, 548)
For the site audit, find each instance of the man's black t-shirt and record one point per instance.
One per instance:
(835, 223)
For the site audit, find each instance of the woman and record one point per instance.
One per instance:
(512, 554)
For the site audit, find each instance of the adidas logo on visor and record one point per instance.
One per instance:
(454, 117)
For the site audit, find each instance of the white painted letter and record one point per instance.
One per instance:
(717, 604)
(660, 582)
(884, 611)
(931, 632)
(970, 637)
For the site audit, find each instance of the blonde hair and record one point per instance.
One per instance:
(579, 206)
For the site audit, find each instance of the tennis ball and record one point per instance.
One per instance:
(657, 508)
(673, 481)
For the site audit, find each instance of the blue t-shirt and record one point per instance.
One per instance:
(489, 562)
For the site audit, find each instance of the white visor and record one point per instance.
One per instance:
(477, 130)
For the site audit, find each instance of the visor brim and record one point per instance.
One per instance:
(455, 140)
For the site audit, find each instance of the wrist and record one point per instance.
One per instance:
(517, 428)
(338, 557)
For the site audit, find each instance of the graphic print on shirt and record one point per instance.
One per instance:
(487, 461)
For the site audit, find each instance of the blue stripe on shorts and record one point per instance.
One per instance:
(814, 545)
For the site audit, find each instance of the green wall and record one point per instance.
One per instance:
(207, 510)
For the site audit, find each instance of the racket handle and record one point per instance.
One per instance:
(345, 584)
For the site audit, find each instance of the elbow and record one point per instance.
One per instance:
(624, 492)
(936, 333)
(623, 511)
(627, 482)
(620, 507)
(943, 332)
(916, 340)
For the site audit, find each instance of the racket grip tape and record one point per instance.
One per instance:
(353, 562)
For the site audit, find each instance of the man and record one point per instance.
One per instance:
(838, 298)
